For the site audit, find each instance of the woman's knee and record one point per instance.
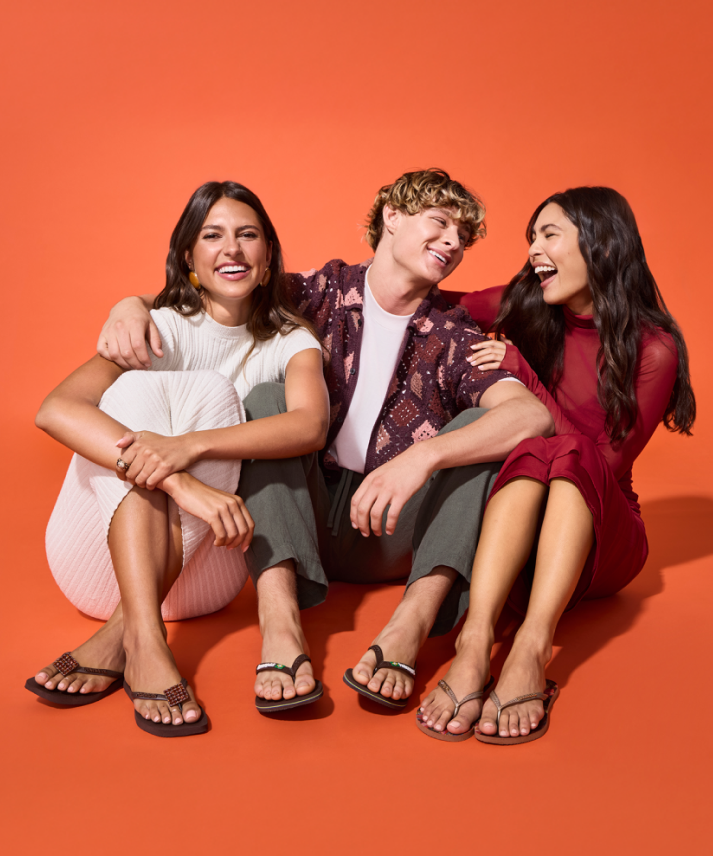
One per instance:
(265, 399)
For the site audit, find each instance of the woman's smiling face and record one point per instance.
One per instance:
(557, 260)
(230, 258)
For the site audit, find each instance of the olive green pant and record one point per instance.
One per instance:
(301, 512)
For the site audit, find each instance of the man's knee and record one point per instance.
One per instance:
(265, 399)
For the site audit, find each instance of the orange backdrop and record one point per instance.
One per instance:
(113, 114)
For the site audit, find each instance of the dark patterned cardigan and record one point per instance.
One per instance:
(432, 382)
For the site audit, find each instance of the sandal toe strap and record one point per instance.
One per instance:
(66, 664)
(381, 663)
(175, 695)
(517, 700)
(279, 667)
(458, 704)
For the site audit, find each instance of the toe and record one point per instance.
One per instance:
(191, 711)
(488, 719)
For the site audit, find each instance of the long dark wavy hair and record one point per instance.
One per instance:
(271, 310)
(627, 306)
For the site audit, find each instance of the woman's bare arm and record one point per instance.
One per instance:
(302, 429)
(70, 413)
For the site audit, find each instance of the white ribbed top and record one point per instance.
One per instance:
(199, 342)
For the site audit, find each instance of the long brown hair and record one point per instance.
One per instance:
(627, 303)
(271, 310)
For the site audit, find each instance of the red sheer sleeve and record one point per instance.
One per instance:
(653, 383)
(655, 377)
(515, 363)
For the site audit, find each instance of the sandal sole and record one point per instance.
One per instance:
(264, 706)
(348, 679)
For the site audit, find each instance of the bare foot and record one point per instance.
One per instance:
(150, 668)
(468, 673)
(103, 650)
(399, 642)
(282, 646)
(523, 673)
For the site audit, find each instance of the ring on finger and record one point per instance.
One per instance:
(122, 465)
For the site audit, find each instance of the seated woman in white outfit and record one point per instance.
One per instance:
(131, 544)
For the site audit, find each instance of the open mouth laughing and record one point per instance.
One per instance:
(546, 274)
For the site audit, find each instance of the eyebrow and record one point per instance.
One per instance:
(246, 226)
(546, 226)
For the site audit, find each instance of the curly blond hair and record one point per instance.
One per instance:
(427, 188)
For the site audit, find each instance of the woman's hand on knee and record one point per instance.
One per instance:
(226, 513)
(151, 458)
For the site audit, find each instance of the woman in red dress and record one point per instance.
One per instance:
(597, 345)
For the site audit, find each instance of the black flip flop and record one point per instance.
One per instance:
(381, 663)
(267, 706)
(175, 696)
(65, 665)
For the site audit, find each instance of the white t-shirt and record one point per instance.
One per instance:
(380, 346)
(198, 342)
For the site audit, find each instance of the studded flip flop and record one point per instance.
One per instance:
(548, 697)
(66, 665)
(446, 735)
(267, 706)
(381, 663)
(175, 696)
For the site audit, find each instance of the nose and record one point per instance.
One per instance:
(534, 250)
(451, 237)
(232, 246)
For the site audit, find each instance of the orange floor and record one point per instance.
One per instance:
(112, 115)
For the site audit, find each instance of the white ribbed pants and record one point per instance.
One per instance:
(169, 403)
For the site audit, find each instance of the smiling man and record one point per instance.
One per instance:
(414, 430)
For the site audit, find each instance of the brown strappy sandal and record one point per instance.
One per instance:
(65, 665)
(175, 696)
(381, 663)
(548, 697)
(446, 735)
(267, 706)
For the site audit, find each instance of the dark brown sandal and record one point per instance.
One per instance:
(66, 665)
(445, 734)
(267, 706)
(548, 697)
(175, 696)
(381, 663)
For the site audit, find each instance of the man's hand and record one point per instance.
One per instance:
(393, 483)
(153, 457)
(123, 337)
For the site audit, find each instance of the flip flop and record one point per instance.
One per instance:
(446, 735)
(267, 706)
(175, 696)
(381, 663)
(549, 697)
(66, 664)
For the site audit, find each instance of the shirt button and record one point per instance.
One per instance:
(352, 371)
(340, 419)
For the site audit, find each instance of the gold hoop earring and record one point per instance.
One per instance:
(266, 279)
(194, 280)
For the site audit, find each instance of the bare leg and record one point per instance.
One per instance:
(282, 636)
(507, 536)
(147, 551)
(403, 636)
(565, 541)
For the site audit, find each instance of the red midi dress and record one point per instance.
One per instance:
(581, 450)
